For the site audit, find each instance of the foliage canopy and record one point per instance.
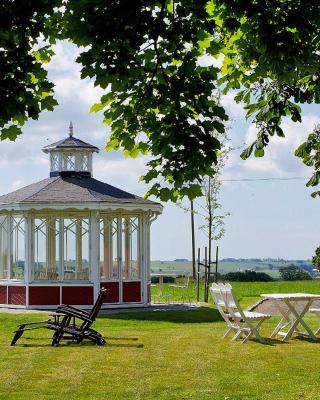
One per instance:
(159, 98)
(294, 273)
(316, 258)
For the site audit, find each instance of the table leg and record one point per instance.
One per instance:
(160, 285)
(285, 320)
(299, 320)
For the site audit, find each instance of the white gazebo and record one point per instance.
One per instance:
(65, 237)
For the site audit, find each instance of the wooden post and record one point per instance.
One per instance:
(198, 277)
(193, 242)
(206, 274)
(216, 274)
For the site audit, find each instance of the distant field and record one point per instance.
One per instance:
(269, 267)
(249, 292)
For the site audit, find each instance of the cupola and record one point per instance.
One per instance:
(70, 156)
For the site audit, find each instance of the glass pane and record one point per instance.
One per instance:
(84, 162)
(18, 247)
(46, 249)
(109, 249)
(76, 249)
(130, 248)
(54, 162)
(69, 162)
(4, 248)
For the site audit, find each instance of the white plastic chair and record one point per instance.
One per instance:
(238, 321)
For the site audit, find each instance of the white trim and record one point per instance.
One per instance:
(97, 206)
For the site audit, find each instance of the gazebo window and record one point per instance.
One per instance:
(69, 162)
(46, 249)
(84, 162)
(4, 247)
(76, 249)
(131, 247)
(54, 162)
(18, 247)
(109, 268)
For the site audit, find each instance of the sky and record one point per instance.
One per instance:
(266, 218)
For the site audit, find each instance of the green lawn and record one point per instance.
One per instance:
(161, 355)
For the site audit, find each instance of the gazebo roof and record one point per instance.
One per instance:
(73, 189)
(70, 142)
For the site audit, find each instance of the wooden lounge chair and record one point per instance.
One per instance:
(237, 320)
(68, 323)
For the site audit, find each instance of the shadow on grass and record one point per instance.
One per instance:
(201, 315)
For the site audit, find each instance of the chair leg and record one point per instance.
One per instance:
(17, 336)
(229, 330)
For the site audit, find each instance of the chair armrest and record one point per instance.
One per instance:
(76, 314)
(72, 308)
(32, 323)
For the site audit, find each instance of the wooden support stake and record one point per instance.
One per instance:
(198, 277)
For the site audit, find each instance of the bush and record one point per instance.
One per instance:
(247, 276)
(294, 273)
(166, 279)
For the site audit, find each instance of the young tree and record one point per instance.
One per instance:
(316, 259)
(214, 220)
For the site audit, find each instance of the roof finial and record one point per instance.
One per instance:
(70, 129)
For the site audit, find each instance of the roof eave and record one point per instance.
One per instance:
(91, 206)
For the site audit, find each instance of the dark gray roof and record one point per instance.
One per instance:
(70, 142)
(71, 190)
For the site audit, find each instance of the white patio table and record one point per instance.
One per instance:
(292, 307)
(161, 275)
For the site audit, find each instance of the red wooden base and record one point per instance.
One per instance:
(131, 292)
(112, 294)
(17, 295)
(40, 295)
(77, 295)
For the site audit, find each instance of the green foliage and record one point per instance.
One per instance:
(309, 152)
(316, 259)
(247, 276)
(158, 98)
(25, 90)
(294, 273)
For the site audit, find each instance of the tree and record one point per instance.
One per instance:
(316, 259)
(294, 273)
(247, 276)
(214, 221)
(158, 96)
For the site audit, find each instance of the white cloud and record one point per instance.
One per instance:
(279, 159)
(208, 61)
(65, 73)
(233, 109)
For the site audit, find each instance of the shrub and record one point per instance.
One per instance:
(294, 273)
(247, 276)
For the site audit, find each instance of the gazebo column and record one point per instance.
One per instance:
(28, 254)
(127, 246)
(143, 256)
(79, 249)
(94, 232)
(51, 248)
(107, 249)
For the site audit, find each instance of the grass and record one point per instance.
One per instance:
(162, 355)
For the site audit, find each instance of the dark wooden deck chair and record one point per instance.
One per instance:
(68, 322)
